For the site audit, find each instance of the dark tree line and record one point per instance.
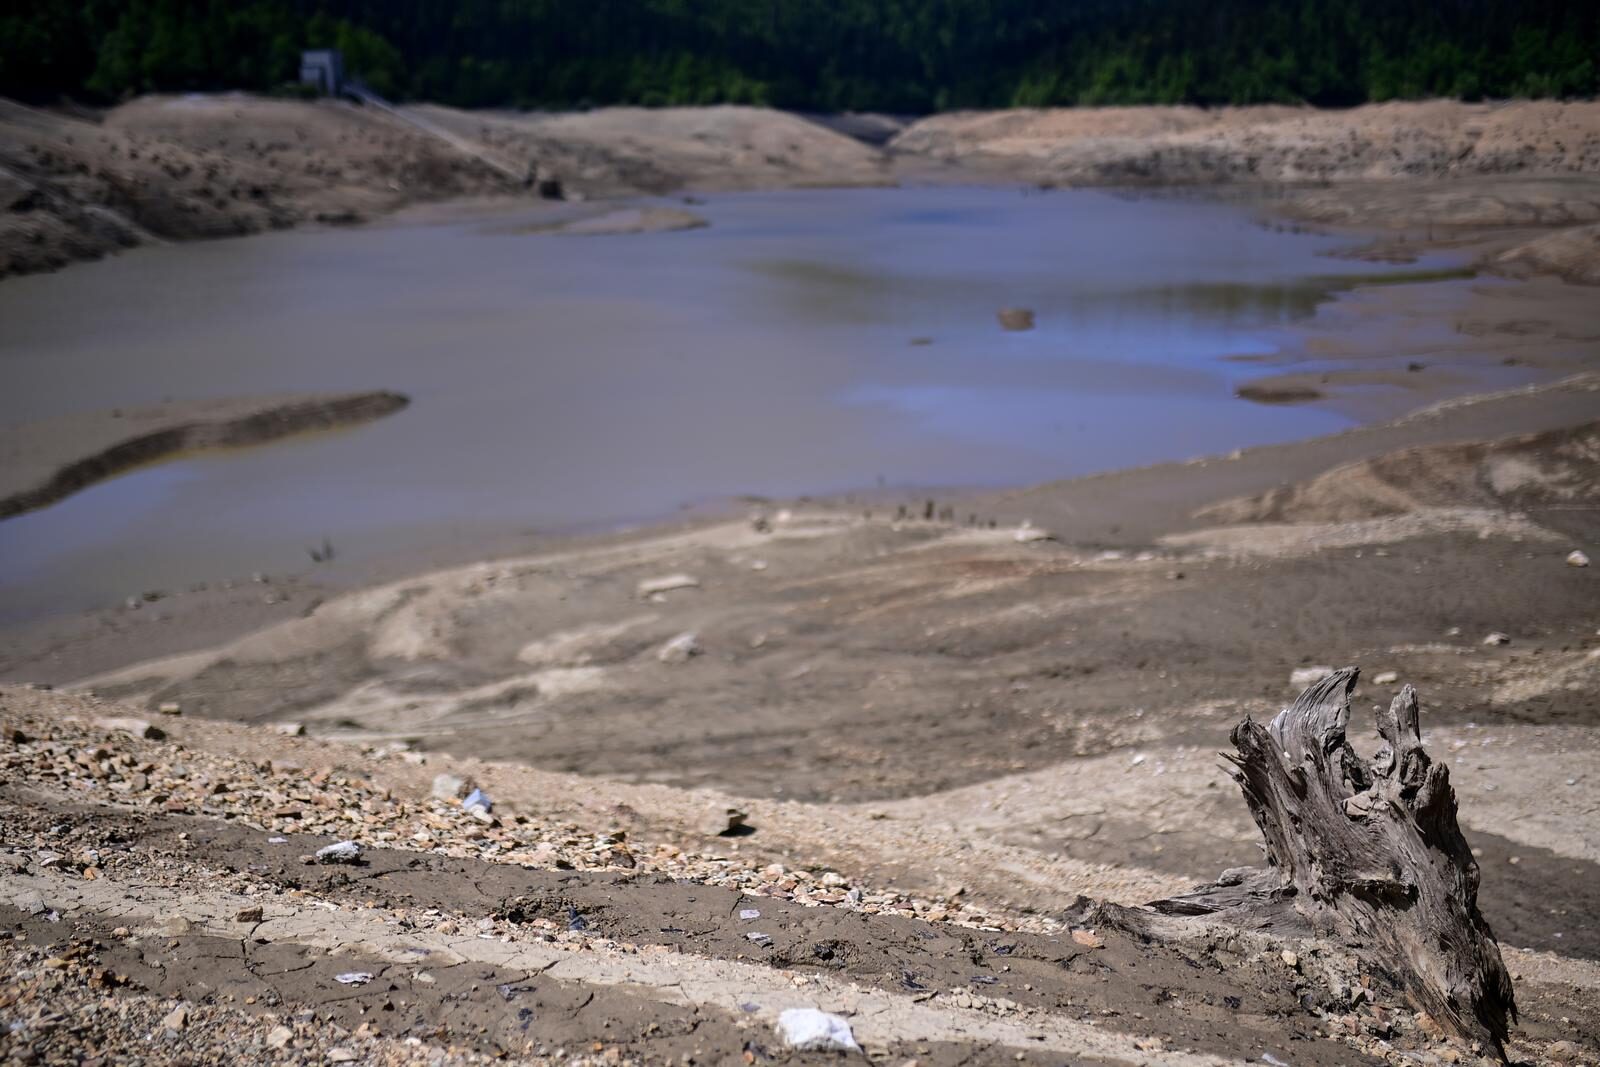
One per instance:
(889, 55)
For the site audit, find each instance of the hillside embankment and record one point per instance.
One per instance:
(79, 184)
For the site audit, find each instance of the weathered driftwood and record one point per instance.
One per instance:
(1367, 854)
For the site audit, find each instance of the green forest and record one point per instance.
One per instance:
(905, 56)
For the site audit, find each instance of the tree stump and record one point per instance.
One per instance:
(1367, 854)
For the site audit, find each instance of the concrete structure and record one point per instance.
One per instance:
(324, 70)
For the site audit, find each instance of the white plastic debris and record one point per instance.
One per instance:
(340, 852)
(816, 1031)
(1029, 532)
(353, 978)
(1576, 558)
(478, 799)
(1497, 638)
(749, 913)
(1386, 678)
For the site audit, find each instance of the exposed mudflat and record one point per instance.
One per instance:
(42, 462)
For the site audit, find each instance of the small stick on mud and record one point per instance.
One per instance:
(1367, 854)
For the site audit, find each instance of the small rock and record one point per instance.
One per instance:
(652, 586)
(1386, 678)
(1015, 318)
(723, 822)
(1305, 676)
(449, 787)
(279, 1037)
(1575, 558)
(137, 727)
(816, 1031)
(341, 1055)
(252, 914)
(1561, 1052)
(1497, 638)
(177, 1018)
(340, 852)
(1087, 938)
(680, 649)
(290, 729)
(1290, 959)
(170, 708)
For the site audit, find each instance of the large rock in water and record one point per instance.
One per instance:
(1015, 319)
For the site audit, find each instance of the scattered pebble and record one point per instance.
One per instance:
(680, 649)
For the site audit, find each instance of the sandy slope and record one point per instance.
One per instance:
(1185, 144)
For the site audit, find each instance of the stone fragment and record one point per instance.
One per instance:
(252, 914)
(290, 729)
(449, 787)
(1015, 318)
(1497, 638)
(1386, 678)
(128, 725)
(653, 586)
(340, 852)
(680, 649)
(279, 1037)
(170, 708)
(1087, 938)
(177, 1019)
(721, 821)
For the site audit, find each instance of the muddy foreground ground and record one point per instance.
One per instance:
(943, 736)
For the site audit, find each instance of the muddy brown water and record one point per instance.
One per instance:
(806, 341)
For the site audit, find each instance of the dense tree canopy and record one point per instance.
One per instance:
(891, 55)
